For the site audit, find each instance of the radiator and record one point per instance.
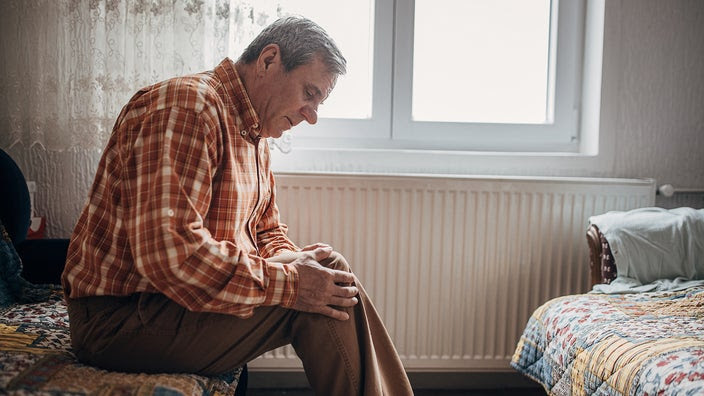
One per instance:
(455, 265)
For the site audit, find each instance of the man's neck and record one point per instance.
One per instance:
(246, 73)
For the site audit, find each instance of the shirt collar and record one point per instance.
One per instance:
(234, 89)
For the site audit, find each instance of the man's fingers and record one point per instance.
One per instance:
(316, 246)
(321, 253)
(333, 313)
(322, 290)
(344, 302)
(343, 277)
(346, 291)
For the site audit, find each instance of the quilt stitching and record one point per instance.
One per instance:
(616, 344)
(36, 358)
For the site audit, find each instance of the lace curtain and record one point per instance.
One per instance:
(69, 66)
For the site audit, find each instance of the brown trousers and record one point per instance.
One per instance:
(151, 333)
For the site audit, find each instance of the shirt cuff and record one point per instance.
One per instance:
(274, 249)
(285, 250)
(283, 285)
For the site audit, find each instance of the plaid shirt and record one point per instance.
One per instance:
(183, 203)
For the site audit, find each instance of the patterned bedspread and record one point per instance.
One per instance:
(35, 359)
(632, 344)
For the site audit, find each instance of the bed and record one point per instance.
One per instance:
(36, 359)
(36, 356)
(638, 332)
(35, 346)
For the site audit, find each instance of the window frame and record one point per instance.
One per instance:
(391, 126)
(330, 132)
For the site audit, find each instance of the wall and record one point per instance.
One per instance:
(652, 109)
(657, 53)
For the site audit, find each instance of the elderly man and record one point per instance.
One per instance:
(179, 263)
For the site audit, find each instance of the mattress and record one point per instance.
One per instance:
(624, 344)
(36, 359)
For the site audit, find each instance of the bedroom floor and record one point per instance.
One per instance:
(425, 384)
(420, 392)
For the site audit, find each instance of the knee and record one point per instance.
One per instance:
(336, 261)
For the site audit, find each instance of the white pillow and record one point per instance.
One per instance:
(654, 243)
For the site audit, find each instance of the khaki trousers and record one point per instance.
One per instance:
(150, 333)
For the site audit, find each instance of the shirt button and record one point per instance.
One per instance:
(171, 212)
(243, 132)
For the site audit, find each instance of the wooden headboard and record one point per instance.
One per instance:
(601, 262)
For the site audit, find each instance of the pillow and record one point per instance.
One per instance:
(649, 244)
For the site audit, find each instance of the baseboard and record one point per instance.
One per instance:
(472, 380)
(419, 380)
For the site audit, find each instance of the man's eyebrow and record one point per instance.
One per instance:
(315, 89)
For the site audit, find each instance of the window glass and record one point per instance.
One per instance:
(351, 24)
(482, 61)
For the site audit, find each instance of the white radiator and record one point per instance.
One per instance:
(455, 265)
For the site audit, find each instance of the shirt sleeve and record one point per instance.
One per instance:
(272, 238)
(174, 160)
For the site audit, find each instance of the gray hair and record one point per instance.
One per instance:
(299, 39)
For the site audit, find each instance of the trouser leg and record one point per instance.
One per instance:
(362, 358)
(150, 333)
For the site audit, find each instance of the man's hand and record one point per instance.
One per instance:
(288, 257)
(317, 245)
(320, 289)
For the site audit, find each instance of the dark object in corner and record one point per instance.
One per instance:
(42, 259)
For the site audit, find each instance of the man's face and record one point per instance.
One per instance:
(287, 98)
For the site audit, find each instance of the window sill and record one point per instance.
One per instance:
(401, 161)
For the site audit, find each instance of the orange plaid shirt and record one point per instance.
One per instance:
(183, 203)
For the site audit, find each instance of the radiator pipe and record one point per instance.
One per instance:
(667, 190)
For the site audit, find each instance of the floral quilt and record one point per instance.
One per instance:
(36, 359)
(629, 344)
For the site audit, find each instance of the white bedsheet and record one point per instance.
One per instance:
(654, 248)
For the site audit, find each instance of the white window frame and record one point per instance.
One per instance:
(367, 145)
(559, 133)
(340, 132)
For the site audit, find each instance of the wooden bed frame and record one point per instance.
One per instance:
(601, 261)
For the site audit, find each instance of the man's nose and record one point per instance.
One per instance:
(310, 114)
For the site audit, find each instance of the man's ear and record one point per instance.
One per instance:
(268, 57)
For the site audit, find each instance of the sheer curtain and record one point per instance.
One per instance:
(68, 67)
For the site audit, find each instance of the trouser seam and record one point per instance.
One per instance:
(345, 357)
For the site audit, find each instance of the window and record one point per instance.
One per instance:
(459, 75)
(486, 62)
(352, 97)
(359, 107)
